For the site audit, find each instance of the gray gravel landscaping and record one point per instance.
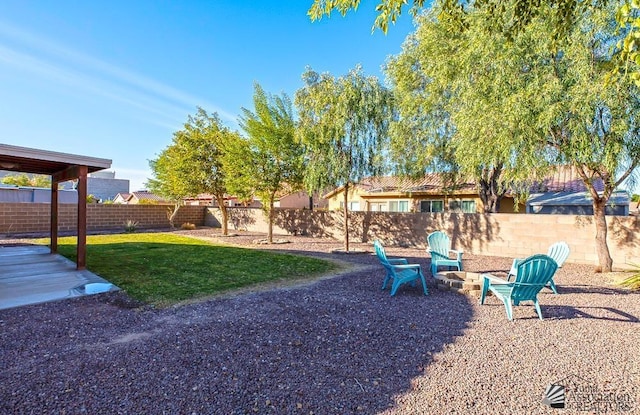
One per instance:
(337, 345)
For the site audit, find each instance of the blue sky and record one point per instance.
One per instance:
(116, 79)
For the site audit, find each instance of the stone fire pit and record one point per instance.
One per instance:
(463, 282)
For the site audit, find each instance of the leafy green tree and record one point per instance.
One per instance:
(23, 179)
(454, 91)
(269, 160)
(595, 129)
(193, 163)
(508, 16)
(167, 181)
(510, 104)
(343, 124)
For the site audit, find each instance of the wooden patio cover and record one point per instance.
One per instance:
(61, 167)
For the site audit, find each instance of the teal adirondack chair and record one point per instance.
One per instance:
(533, 273)
(440, 248)
(559, 251)
(399, 270)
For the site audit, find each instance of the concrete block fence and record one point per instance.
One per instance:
(507, 235)
(17, 218)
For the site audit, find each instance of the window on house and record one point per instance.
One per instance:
(464, 206)
(353, 206)
(469, 206)
(378, 207)
(399, 206)
(431, 206)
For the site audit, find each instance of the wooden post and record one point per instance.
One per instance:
(53, 212)
(82, 218)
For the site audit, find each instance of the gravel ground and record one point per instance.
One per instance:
(337, 345)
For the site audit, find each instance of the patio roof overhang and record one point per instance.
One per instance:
(61, 167)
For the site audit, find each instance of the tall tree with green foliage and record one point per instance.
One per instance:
(595, 129)
(193, 163)
(507, 16)
(492, 100)
(269, 161)
(465, 103)
(343, 124)
(23, 179)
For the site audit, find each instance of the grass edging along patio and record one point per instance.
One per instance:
(164, 269)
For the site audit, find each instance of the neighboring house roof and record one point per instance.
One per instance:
(619, 197)
(146, 195)
(123, 196)
(201, 196)
(431, 183)
(562, 179)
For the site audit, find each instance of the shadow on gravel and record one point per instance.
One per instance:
(338, 346)
(592, 289)
(597, 313)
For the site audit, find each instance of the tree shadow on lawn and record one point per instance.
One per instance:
(338, 346)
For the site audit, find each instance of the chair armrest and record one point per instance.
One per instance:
(496, 280)
(407, 266)
(398, 261)
(438, 255)
(458, 253)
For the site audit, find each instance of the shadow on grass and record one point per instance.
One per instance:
(167, 272)
(338, 346)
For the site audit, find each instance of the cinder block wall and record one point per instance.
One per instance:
(18, 218)
(507, 235)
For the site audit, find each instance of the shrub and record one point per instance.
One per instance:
(130, 226)
(188, 226)
(633, 282)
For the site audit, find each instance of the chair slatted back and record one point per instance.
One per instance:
(559, 252)
(439, 243)
(380, 253)
(533, 274)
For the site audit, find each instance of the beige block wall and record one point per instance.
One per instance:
(16, 218)
(506, 235)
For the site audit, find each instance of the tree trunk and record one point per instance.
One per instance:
(604, 257)
(490, 192)
(270, 231)
(225, 215)
(345, 222)
(172, 213)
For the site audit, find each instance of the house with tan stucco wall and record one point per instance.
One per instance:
(562, 192)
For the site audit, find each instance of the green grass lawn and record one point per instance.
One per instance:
(164, 269)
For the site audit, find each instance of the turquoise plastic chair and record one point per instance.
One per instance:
(440, 248)
(399, 270)
(559, 251)
(533, 273)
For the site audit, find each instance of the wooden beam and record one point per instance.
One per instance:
(53, 212)
(82, 217)
(70, 173)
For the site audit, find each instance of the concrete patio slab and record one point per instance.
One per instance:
(29, 274)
